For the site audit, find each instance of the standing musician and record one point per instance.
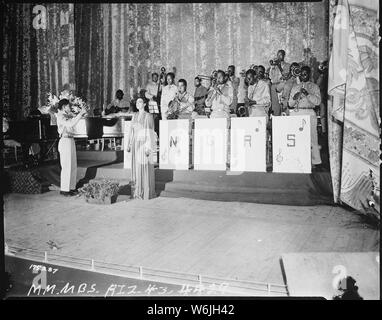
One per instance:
(258, 95)
(220, 97)
(234, 81)
(303, 99)
(66, 147)
(242, 93)
(200, 96)
(278, 71)
(152, 89)
(152, 94)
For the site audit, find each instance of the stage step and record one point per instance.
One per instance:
(266, 197)
(207, 187)
(238, 179)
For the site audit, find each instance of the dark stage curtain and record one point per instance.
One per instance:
(56, 52)
(19, 70)
(89, 46)
(36, 61)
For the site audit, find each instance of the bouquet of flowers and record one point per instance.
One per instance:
(76, 103)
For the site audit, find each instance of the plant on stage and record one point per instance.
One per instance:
(100, 189)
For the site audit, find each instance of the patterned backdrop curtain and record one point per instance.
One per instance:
(19, 67)
(354, 119)
(89, 64)
(56, 52)
(195, 38)
(37, 57)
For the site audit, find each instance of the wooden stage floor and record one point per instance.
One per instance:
(222, 239)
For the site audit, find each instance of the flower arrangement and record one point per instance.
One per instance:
(100, 190)
(76, 103)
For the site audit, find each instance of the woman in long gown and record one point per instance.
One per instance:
(142, 145)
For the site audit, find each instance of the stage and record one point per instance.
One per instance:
(254, 187)
(225, 240)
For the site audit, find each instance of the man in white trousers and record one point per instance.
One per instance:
(67, 147)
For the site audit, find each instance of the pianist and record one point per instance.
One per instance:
(117, 105)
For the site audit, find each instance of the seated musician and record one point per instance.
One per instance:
(220, 97)
(260, 71)
(278, 70)
(259, 98)
(303, 99)
(235, 82)
(118, 104)
(200, 96)
(182, 106)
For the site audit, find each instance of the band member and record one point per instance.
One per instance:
(152, 88)
(310, 61)
(168, 94)
(153, 94)
(278, 67)
(234, 81)
(322, 82)
(200, 96)
(258, 97)
(260, 73)
(118, 104)
(291, 80)
(242, 93)
(277, 72)
(220, 97)
(182, 106)
(303, 99)
(66, 147)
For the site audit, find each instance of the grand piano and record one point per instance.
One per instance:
(38, 130)
(98, 128)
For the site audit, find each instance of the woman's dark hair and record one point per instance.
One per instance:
(61, 103)
(134, 104)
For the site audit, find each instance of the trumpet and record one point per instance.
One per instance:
(204, 77)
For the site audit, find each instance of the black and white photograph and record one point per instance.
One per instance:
(191, 150)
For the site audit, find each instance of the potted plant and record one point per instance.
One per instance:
(103, 191)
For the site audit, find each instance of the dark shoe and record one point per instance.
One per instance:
(66, 193)
(317, 168)
(74, 192)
